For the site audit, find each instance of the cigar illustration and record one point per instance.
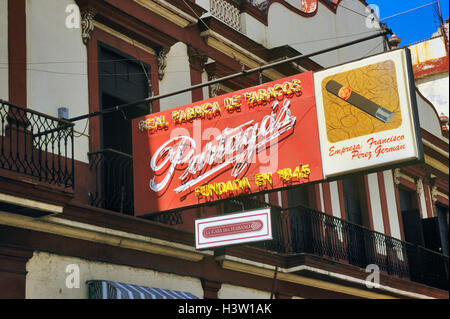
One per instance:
(359, 101)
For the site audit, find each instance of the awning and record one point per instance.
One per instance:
(103, 289)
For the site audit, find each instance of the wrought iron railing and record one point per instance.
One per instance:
(36, 145)
(226, 11)
(113, 171)
(302, 230)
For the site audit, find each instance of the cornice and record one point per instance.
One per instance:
(323, 279)
(103, 235)
(168, 11)
(120, 21)
(261, 16)
(238, 53)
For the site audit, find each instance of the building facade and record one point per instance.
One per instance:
(67, 224)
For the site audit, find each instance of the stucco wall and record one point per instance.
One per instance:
(324, 29)
(428, 118)
(235, 292)
(435, 89)
(177, 76)
(46, 277)
(57, 65)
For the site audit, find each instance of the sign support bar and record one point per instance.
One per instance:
(229, 77)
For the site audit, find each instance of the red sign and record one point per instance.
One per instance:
(254, 140)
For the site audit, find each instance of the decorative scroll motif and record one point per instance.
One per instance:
(434, 194)
(87, 24)
(397, 176)
(161, 60)
(215, 88)
(419, 185)
(226, 12)
(197, 60)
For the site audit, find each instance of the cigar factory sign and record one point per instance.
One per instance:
(254, 140)
(296, 130)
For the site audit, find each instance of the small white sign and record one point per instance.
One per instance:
(233, 229)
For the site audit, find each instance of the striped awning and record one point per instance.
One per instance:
(103, 289)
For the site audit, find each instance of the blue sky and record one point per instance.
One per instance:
(413, 26)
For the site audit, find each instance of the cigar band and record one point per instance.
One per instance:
(344, 92)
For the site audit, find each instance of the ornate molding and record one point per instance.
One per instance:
(87, 24)
(419, 184)
(214, 89)
(197, 60)
(397, 175)
(161, 60)
(434, 194)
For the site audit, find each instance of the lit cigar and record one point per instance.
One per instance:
(359, 101)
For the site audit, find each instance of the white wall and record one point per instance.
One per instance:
(335, 200)
(205, 89)
(392, 204)
(428, 118)
(57, 65)
(375, 202)
(253, 29)
(325, 29)
(4, 50)
(236, 292)
(177, 76)
(435, 89)
(46, 277)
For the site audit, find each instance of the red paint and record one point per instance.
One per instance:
(366, 201)
(327, 198)
(17, 52)
(196, 78)
(399, 210)
(431, 67)
(426, 190)
(341, 199)
(304, 135)
(383, 200)
(315, 197)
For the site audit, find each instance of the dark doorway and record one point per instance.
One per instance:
(442, 215)
(412, 223)
(122, 79)
(298, 196)
(413, 232)
(353, 211)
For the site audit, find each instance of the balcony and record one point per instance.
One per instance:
(226, 11)
(295, 231)
(36, 155)
(113, 171)
(36, 145)
(302, 230)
